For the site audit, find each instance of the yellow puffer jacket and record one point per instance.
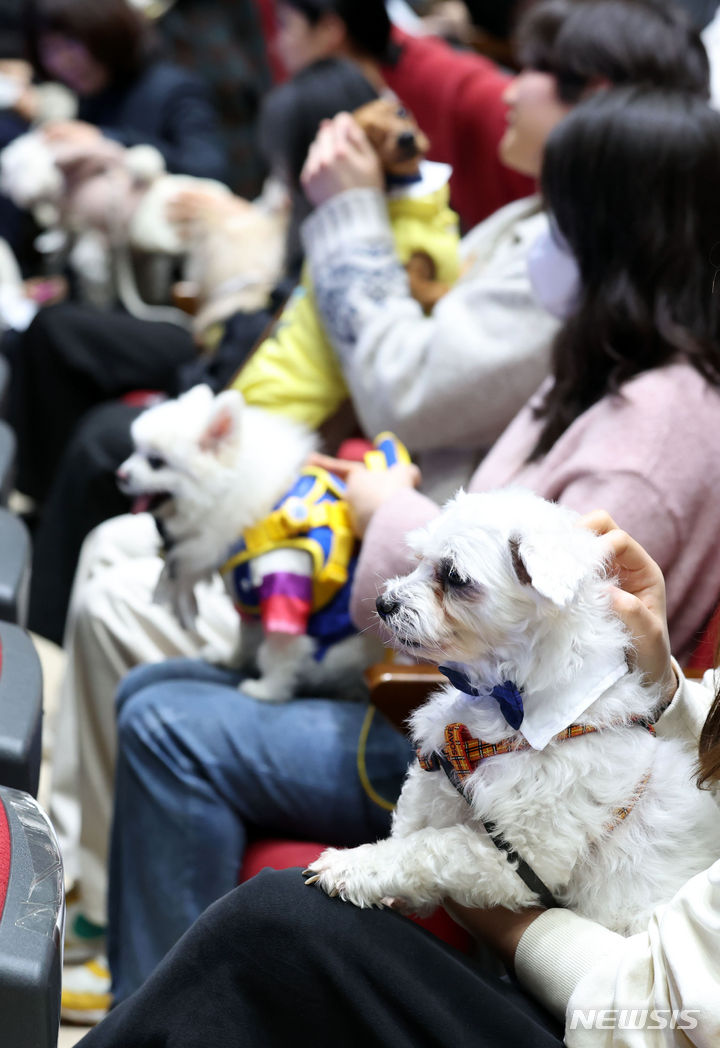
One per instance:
(295, 370)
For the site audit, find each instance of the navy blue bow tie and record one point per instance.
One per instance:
(507, 695)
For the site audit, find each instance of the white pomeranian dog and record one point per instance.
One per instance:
(230, 491)
(542, 747)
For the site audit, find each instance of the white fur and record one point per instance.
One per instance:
(117, 198)
(538, 618)
(28, 172)
(225, 466)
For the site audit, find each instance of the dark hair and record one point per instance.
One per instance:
(292, 112)
(115, 33)
(709, 748)
(366, 22)
(630, 179)
(623, 41)
(289, 120)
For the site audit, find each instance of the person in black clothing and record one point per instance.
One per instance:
(107, 54)
(276, 963)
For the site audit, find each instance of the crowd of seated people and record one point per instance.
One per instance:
(572, 348)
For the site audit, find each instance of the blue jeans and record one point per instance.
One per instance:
(199, 766)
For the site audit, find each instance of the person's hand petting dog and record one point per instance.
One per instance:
(639, 600)
(339, 159)
(367, 490)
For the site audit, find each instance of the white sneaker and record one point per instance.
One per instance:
(86, 995)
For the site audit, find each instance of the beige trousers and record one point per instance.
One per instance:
(114, 625)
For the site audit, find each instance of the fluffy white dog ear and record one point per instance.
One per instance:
(553, 564)
(223, 423)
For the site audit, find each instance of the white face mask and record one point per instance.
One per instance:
(554, 274)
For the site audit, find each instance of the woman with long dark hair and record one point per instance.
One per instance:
(627, 417)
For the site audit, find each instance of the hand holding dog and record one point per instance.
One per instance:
(340, 158)
(639, 600)
(367, 490)
(72, 132)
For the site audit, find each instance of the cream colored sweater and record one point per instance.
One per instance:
(665, 977)
(447, 384)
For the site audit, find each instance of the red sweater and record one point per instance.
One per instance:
(456, 98)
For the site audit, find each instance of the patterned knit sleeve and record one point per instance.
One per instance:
(454, 378)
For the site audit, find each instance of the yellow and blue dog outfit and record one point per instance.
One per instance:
(306, 595)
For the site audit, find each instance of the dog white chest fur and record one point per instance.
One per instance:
(208, 467)
(509, 588)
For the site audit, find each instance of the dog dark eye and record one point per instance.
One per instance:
(401, 111)
(156, 461)
(451, 577)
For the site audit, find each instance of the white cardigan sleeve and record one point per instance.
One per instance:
(591, 976)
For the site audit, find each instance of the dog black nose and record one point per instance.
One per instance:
(407, 143)
(386, 606)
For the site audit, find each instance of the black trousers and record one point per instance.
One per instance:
(69, 360)
(277, 963)
(84, 494)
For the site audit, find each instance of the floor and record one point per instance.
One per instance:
(52, 660)
(70, 1035)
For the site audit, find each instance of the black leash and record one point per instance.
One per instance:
(524, 871)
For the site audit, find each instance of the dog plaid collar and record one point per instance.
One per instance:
(463, 753)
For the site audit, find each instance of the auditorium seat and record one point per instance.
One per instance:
(31, 924)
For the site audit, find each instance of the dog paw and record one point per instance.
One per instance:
(263, 689)
(352, 874)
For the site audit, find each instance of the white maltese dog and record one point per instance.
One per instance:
(230, 491)
(541, 747)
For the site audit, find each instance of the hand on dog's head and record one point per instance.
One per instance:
(494, 570)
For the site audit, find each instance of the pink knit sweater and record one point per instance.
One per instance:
(650, 456)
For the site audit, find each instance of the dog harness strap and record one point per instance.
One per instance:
(524, 871)
(620, 814)
(459, 758)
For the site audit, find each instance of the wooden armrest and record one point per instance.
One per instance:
(186, 296)
(397, 689)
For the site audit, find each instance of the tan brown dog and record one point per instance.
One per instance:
(401, 145)
(394, 135)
